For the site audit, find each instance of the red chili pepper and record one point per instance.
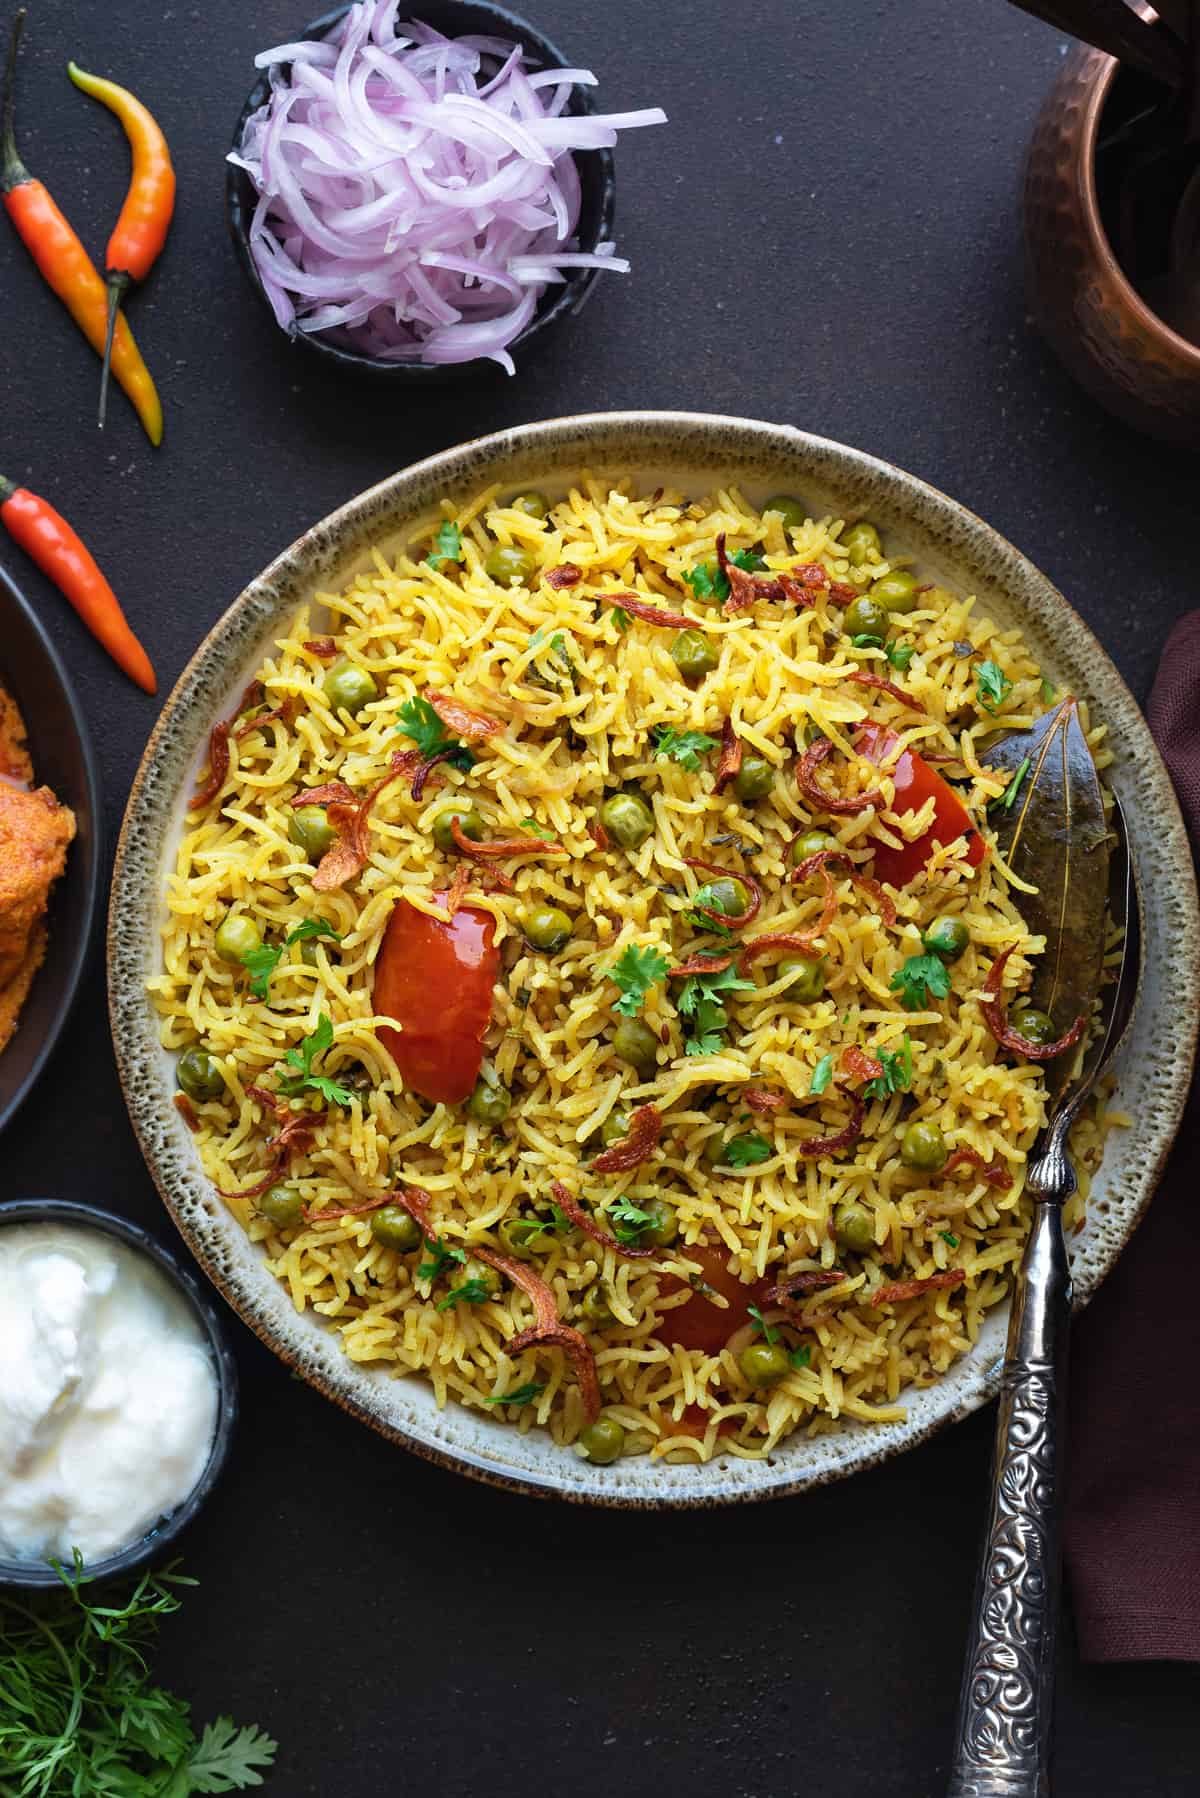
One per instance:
(915, 782)
(141, 229)
(436, 981)
(60, 554)
(65, 265)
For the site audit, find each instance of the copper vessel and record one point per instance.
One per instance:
(1105, 333)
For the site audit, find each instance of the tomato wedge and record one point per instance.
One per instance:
(436, 980)
(916, 782)
(700, 1324)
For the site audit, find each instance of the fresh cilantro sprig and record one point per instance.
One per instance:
(629, 1220)
(534, 1228)
(761, 1327)
(1006, 800)
(992, 686)
(302, 1059)
(447, 545)
(520, 1395)
(822, 1074)
(921, 978)
(897, 1070)
(800, 1357)
(419, 721)
(79, 1712)
(747, 1150)
(471, 1292)
(900, 654)
(683, 746)
(440, 1259)
(262, 962)
(635, 971)
(867, 640)
(700, 1002)
(748, 560)
(708, 582)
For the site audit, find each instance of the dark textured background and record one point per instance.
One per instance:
(826, 234)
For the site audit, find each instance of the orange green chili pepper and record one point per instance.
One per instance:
(141, 230)
(60, 554)
(64, 263)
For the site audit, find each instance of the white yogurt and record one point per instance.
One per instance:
(108, 1393)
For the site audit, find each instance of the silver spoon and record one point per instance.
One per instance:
(1002, 1741)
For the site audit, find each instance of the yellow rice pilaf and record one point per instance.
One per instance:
(580, 693)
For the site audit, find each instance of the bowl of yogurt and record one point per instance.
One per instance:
(118, 1393)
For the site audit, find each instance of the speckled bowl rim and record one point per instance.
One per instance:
(950, 543)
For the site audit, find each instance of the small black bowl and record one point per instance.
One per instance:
(63, 758)
(597, 203)
(148, 1547)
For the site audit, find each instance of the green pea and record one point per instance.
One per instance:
(282, 1206)
(1037, 1026)
(727, 895)
(602, 1441)
(518, 1236)
(198, 1074)
(507, 562)
(858, 540)
(546, 927)
(896, 591)
(595, 1307)
(490, 1103)
(867, 617)
(348, 688)
(627, 819)
(310, 955)
(533, 503)
(764, 1363)
(805, 975)
(754, 779)
(469, 822)
(473, 1270)
(394, 1229)
(634, 1042)
(614, 1127)
(694, 655)
(947, 938)
(855, 1228)
(236, 936)
(923, 1146)
(663, 1228)
(812, 842)
(790, 509)
(310, 829)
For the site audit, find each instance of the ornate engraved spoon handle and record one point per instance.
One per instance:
(1002, 1743)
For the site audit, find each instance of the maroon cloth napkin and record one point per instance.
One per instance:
(1133, 1488)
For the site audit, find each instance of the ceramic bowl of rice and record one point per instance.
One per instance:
(551, 957)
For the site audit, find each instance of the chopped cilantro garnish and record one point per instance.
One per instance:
(419, 721)
(520, 1395)
(921, 977)
(897, 1071)
(1007, 799)
(867, 640)
(822, 1074)
(949, 1236)
(708, 581)
(747, 1151)
(447, 545)
(304, 1080)
(900, 654)
(760, 1328)
(699, 1003)
(683, 746)
(800, 1357)
(538, 830)
(992, 685)
(621, 618)
(262, 962)
(748, 560)
(635, 971)
(442, 1258)
(629, 1219)
(471, 1292)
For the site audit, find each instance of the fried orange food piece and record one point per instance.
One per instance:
(34, 833)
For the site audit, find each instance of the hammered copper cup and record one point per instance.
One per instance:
(1101, 328)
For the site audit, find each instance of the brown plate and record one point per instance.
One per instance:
(695, 450)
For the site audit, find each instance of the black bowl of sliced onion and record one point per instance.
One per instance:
(417, 198)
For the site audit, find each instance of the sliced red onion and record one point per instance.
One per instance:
(417, 193)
